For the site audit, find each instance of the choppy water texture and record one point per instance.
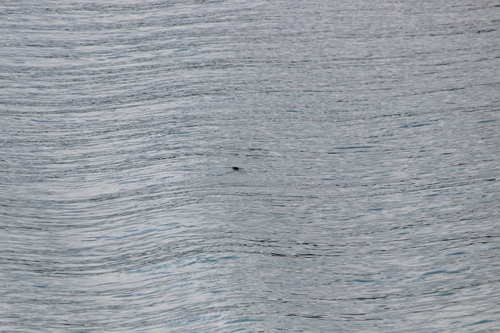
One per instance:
(367, 137)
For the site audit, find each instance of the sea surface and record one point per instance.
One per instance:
(366, 137)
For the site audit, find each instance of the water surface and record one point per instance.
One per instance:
(366, 134)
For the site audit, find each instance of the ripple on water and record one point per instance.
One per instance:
(364, 134)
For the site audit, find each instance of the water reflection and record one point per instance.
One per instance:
(364, 141)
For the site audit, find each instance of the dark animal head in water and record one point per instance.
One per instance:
(236, 168)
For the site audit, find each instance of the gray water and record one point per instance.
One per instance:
(366, 137)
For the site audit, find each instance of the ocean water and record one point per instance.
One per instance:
(367, 139)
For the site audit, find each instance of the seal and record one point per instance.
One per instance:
(236, 168)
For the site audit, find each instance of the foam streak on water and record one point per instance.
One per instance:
(366, 136)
